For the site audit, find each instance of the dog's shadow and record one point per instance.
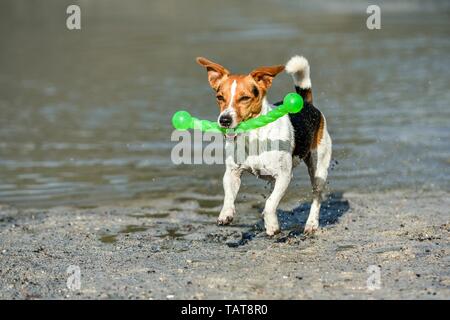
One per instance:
(292, 222)
(333, 207)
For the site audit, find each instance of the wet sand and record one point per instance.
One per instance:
(134, 251)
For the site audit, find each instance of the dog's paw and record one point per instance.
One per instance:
(225, 217)
(224, 221)
(272, 230)
(271, 224)
(310, 229)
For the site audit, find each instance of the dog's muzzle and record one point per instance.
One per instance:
(225, 120)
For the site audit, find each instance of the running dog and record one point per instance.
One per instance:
(242, 97)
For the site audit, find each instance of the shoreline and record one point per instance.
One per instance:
(138, 251)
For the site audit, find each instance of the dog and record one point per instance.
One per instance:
(242, 97)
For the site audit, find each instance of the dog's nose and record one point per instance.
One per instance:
(225, 120)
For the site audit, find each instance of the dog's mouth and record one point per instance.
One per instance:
(230, 130)
(230, 134)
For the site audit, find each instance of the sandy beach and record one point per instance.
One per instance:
(134, 251)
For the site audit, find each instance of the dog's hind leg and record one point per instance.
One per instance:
(318, 162)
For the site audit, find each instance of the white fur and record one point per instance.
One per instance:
(230, 110)
(273, 163)
(232, 94)
(298, 68)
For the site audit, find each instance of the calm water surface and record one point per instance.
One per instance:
(85, 115)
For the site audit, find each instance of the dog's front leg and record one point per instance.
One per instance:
(270, 209)
(231, 184)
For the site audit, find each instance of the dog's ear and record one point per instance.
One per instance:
(216, 72)
(264, 75)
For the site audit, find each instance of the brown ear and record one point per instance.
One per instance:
(264, 75)
(215, 71)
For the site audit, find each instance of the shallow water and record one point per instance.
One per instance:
(85, 115)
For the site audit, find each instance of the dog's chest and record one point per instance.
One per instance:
(268, 150)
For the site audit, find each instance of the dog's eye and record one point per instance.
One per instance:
(220, 98)
(244, 99)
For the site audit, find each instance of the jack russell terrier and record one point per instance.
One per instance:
(241, 97)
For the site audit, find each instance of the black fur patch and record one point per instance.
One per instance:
(305, 124)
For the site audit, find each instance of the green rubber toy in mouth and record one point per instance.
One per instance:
(292, 103)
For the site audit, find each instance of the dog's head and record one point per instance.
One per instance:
(239, 97)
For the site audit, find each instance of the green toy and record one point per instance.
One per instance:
(292, 103)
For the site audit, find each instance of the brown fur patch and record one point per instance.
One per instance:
(306, 94)
(246, 104)
(318, 135)
(250, 89)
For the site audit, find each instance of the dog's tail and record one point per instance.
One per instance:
(298, 68)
